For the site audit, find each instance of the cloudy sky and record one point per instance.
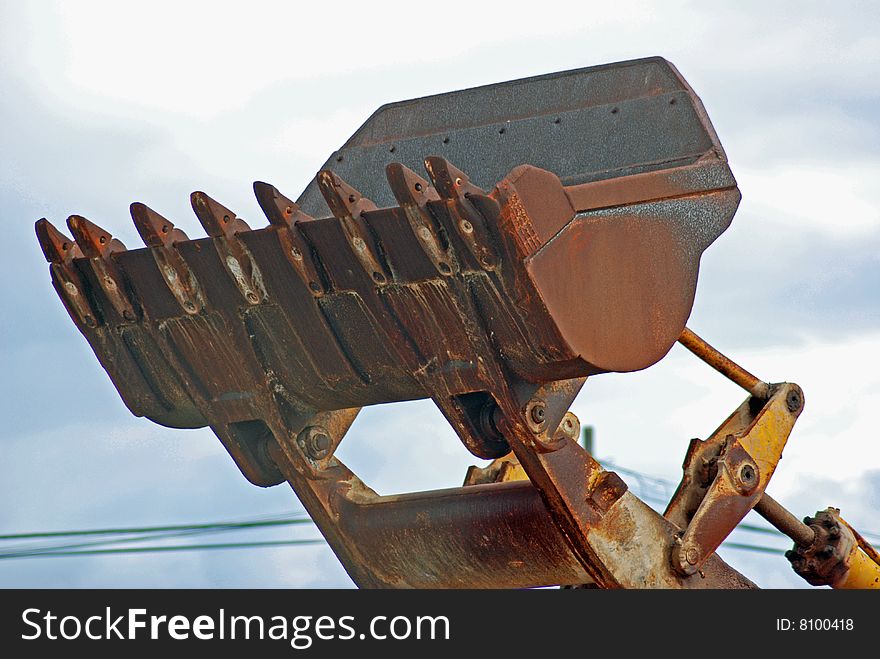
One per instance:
(105, 103)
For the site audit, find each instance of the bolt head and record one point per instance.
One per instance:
(315, 442)
(747, 478)
(321, 441)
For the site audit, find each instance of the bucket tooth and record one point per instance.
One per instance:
(347, 205)
(57, 247)
(466, 204)
(284, 215)
(94, 241)
(449, 181)
(217, 220)
(155, 230)
(98, 245)
(60, 252)
(278, 209)
(413, 194)
(344, 201)
(408, 187)
(221, 224)
(160, 235)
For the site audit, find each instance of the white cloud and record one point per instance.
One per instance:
(838, 200)
(204, 58)
(167, 97)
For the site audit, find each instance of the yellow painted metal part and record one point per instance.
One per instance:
(500, 470)
(764, 435)
(864, 564)
(863, 572)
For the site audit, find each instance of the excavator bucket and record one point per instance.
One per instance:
(489, 249)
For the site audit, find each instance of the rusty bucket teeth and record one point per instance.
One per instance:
(155, 230)
(56, 247)
(217, 220)
(408, 187)
(344, 201)
(278, 209)
(94, 241)
(449, 181)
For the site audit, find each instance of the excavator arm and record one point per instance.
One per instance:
(555, 235)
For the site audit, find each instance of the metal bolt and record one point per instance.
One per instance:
(538, 414)
(793, 401)
(570, 425)
(747, 478)
(316, 442)
(466, 226)
(692, 555)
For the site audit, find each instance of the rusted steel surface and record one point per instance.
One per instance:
(480, 536)
(221, 329)
(836, 554)
(590, 125)
(487, 536)
(724, 365)
(771, 510)
(603, 187)
(824, 561)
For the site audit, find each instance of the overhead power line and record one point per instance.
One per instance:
(651, 488)
(170, 548)
(299, 518)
